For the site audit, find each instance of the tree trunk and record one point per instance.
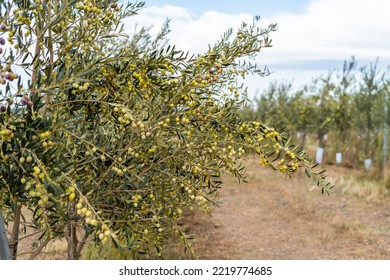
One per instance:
(14, 240)
(303, 140)
(321, 139)
(74, 242)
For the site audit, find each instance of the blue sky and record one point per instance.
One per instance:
(257, 7)
(313, 36)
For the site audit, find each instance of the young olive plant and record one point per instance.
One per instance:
(110, 142)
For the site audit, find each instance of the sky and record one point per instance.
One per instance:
(313, 36)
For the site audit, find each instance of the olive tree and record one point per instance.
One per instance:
(303, 107)
(368, 110)
(343, 105)
(106, 141)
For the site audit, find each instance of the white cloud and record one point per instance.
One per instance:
(189, 32)
(306, 44)
(334, 29)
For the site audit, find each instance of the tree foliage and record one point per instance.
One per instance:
(113, 136)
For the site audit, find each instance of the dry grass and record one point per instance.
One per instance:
(363, 188)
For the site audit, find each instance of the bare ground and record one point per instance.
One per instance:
(273, 217)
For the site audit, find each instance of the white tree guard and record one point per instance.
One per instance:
(319, 154)
(368, 164)
(4, 249)
(339, 158)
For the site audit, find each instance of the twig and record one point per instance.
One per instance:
(39, 249)
(29, 235)
(51, 51)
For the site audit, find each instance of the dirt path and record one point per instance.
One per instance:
(274, 218)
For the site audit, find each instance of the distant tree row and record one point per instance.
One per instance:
(345, 110)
